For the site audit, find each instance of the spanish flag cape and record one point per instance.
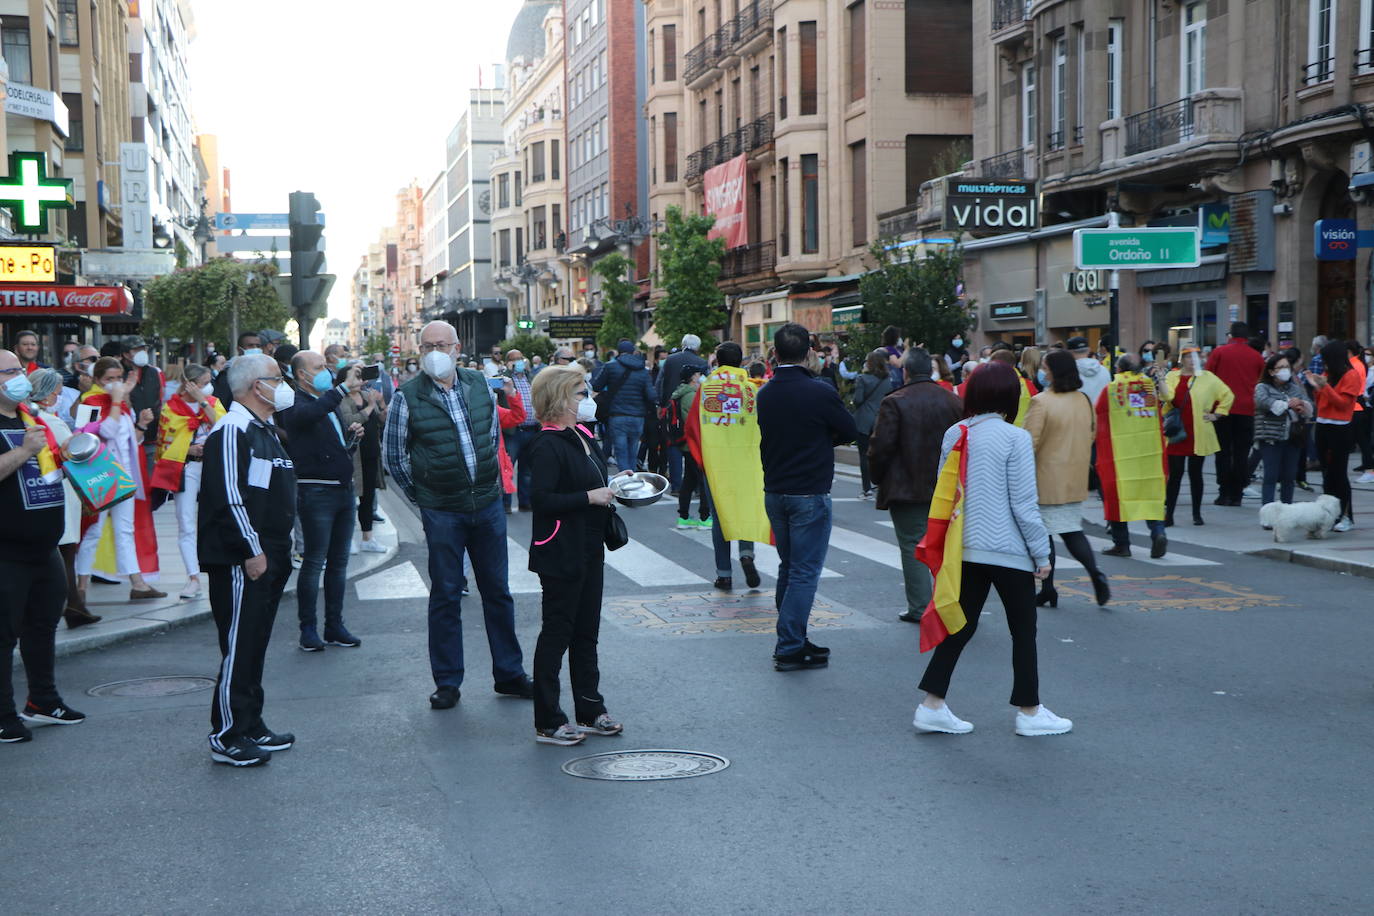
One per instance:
(50, 457)
(1130, 450)
(942, 548)
(723, 434)
(145, 536)
(176, 433)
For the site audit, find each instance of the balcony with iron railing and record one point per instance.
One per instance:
(748, 260)
(1163, 125)
(733, 38)
(754, 135)
(1197, 126)
(1319, 71)
(1004, 165)
(706, 56)
(1009, 14)
(753, 22)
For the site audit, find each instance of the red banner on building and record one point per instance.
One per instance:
(725, 200)
(23, 299)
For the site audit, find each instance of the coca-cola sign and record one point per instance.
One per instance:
(20, 299)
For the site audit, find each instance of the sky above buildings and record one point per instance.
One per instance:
(350, 100)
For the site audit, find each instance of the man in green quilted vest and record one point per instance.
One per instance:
(440, 446)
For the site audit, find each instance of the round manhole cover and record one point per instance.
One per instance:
(647, 764)
(153, 686)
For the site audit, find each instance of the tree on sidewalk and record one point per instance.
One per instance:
(688, 268)
(617, 297)
(531, 345)
(919, 295)
(197, 304)
(377, 342)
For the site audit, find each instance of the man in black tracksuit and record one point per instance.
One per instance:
(247, 508)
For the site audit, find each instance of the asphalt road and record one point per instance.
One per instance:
(1210, 770)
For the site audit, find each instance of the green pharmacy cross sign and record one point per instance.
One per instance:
(30, 193)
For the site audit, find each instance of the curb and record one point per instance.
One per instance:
(1328, 564)
(161, 620)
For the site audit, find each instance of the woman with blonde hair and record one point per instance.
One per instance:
(571, 505)
(1030, 368)
(1199, 397)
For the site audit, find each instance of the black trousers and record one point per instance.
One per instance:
(1235, 433)
(1362, 423)
(244, 611)
(1016, 588)
(31, 604)
(371, 458)
(1082, 551)
(693, 479)
(1334, 442)
(1176, 480)
(572, 625)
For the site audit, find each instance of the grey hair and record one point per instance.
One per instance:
(1318, 342)
(916, 363)
(1128, 362)
(245, 370)
(194, 371)
(691, 342)
(44, 382)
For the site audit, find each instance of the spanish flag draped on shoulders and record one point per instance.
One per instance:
(1130, 449)
(50, 457)
(723, 434)
(92, 410)
(942, 547)
(177, 432)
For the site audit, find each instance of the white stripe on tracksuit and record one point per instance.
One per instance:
(226, 670)
(231, 488)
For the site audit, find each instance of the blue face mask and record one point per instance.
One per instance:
(323, 381)
(18, 388)
(1148, 356)
(341, 364)
(252, 351)
(519, 365)
(1040, 377)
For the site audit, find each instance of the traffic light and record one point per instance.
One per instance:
(309, 284)
(525, 324)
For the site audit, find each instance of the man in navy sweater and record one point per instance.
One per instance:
(320, 448)
(801, 419)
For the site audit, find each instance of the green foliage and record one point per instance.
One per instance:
(917, 295)
(197, 303)
(688, 268)
(529, 344)
(617, 298)
(377, 342)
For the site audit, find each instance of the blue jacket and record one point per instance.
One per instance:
(635, 397)
(801, 420)
(313, 440)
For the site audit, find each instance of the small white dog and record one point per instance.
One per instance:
(1290, 520)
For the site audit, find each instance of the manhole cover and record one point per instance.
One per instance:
(153, 686)
(642, 765)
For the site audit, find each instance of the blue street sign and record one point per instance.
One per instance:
(237, 221)
(1335, 240)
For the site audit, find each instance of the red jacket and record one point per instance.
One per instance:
(1239, 366)
(1337, 401)
(509, 417)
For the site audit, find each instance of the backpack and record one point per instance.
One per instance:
(674, 427)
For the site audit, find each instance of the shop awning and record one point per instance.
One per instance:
(814, 294)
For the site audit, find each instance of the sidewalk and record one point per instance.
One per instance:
(124, 619)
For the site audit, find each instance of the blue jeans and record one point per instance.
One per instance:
(675, 467)
(718, 542)
(483, 535)
(327, 515)
(624, 433)
(1281, 468)
(1121, 535)
(516, 441)
(801, 527)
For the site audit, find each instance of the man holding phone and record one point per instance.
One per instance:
(321, 448)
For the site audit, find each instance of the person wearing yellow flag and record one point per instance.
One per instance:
(1005, 354)
(723, 434)
(1130, 457)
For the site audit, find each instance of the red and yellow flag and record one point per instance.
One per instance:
(942, 548)
(175, 435)
(1131, 463)
(723, 434)
(51, 455)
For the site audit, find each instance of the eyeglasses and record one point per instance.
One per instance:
(14, 371)
(442, 347)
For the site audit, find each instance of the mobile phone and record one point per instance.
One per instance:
(371, 373)
(497, 382)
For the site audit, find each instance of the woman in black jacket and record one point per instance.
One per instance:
(569, 496)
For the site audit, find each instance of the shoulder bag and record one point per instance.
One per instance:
(617, 535)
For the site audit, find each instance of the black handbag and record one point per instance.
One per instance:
(617, 535)
(1174, 430)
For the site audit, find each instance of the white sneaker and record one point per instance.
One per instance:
(1344, 524)
(940, 720)
(373, 547)
(1043, 722)
(1251, 493)
(353, 549)
(1366, 477)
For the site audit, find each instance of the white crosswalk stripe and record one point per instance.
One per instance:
(646, 567)
(884, 552)
(522, 581)
(400, 581)
(766, 559)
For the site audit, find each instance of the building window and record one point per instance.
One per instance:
(68, 26)
(1059, 93)
(669, 53)
(1028, 105)
(811, 203)
(754, 101)
(536, 165)
(858, 52)
(782, 73)
(14, 44)
(806, 61)
(1116, 30)
(736, 109)
(939, 55)
(1193, 52)
(785, 216)
(1080, 55)
(76, 127)
(670, 146)
(1364, 53)
(1321, 25)
(858, 191)
(555, 160)
(519, 192)
(503, 248)
(650, 49)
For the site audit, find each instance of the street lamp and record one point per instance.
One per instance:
(526, 273)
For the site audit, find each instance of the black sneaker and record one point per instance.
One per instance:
(339, 636)
(13, 731)
(751, 574)
(56, 714)
(799, 660)
(1115, 551)
(269, 740)
(723, 584)
(310, 640)
(820, 651)
(1159, 546)
(521, 687)
(444, 698)
(241, 752)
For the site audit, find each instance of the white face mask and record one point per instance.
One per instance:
(1283, 375)
(437, 364)
(140, 358)
(586, 411)
(207, 390)
(283, 396)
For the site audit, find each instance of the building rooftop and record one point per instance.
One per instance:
(527, 31)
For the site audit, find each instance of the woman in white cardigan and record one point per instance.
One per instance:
(1000, 486)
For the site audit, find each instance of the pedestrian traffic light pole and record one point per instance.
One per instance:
(526, 273)
(1114, 309)
(309, 284)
